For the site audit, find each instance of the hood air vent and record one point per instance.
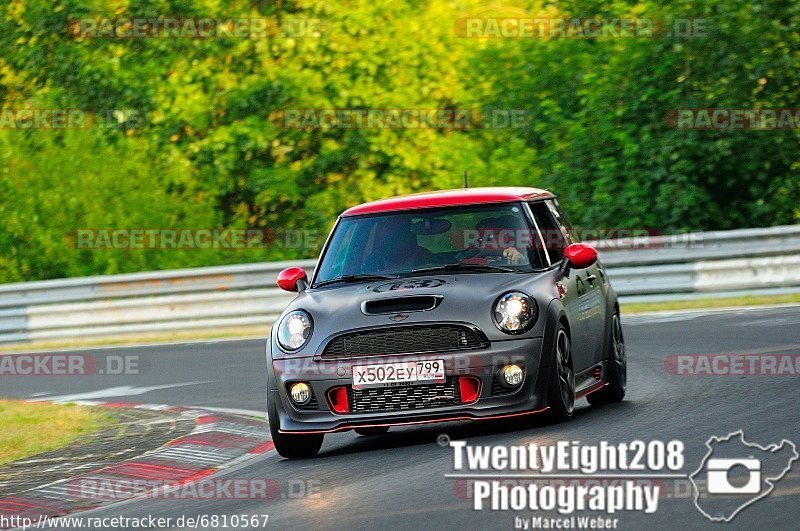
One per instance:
(418, 303)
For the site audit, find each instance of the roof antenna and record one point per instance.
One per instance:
(466, 182)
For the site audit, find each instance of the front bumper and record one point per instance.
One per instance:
(492, 403)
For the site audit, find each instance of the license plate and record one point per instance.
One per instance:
(398, 374)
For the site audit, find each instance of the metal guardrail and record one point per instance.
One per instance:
(703, 264)
(202, 298)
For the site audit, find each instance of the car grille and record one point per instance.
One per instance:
(380, 399)
(499, 389)
(405, 340)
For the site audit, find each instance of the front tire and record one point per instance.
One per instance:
(291, 446)
(561, 387)
(617, 368)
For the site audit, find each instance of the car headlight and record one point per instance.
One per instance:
(515, 313)
(294, 330)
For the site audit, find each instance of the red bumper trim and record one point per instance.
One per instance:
(346, 427)
(337, 398)
(469, 388)
(596, 387)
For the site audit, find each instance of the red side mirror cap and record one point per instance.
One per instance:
(292, 279)
(580, 255)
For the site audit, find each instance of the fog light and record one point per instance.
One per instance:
(300, 393)
(512, 374)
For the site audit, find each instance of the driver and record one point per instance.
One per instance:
(492, 231)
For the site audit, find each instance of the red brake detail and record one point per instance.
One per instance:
(470, 388)
(597, 373)
(287, 279)
(338, 400)
(580, 255)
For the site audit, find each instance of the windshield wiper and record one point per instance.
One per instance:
(352, 278)
(463, 267)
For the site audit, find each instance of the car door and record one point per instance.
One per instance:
(583, 299)
(593, 284)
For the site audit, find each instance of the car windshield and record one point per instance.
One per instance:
(468, 239)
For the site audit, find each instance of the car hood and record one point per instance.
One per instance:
(464, 298)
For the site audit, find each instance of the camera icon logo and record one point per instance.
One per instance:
(736, 473)
(721, 472)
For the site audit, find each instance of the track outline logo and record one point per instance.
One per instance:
(769, 480)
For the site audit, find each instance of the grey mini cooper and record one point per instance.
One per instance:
(473, 304)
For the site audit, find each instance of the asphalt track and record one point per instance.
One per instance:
(396, 481)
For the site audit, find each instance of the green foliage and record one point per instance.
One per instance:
(78, 180)
(210, 149)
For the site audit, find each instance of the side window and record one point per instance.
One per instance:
(563, 222)
(339, 251)
(555, 236)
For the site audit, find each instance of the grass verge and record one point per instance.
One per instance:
(700, 304)
(32, 428)
(260, 332)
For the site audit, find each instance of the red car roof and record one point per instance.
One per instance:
(443, 198)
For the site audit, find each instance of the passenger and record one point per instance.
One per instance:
(395, 248)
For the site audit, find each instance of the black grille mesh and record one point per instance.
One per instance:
(426, 396)
(500, 389)
(405, 340)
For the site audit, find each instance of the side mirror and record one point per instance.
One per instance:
(580, 255)
(292, 279)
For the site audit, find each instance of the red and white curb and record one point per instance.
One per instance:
(219, 440)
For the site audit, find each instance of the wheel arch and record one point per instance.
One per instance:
(555, 315)
(612, 306)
